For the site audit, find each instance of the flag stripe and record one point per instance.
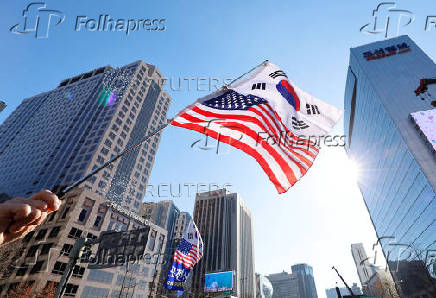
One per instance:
(252, 115)
(304, 154)
(274, 117)
(288, 156)
(279, 184)
(280, 158)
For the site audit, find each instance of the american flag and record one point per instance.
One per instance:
(190, 248)
(250, 124)
(252, 121)
(187, 254)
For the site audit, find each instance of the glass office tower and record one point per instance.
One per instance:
(397, 166)
(306, 280)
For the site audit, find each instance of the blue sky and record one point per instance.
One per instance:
(318, 219)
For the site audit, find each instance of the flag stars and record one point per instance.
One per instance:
(231, 100)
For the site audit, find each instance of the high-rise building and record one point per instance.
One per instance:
(162, 213)
(285, 285)
(365, 270)
(56, 137)
(182, 222)
(2, 105)
(225, 223)
(39, 260)
(306, 280)
(397, 174)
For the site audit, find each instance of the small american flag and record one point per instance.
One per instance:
(190, 248)
(266, 123)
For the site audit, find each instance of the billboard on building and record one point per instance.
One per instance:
(218, 281)
(426, 123)
(118, 248)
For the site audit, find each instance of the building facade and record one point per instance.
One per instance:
(225, 223)
(397, 175)
(2, 105)
(285, 285)
(306, 280)
(41, 257)
(182, 222)
(56, 137)
(365, 270)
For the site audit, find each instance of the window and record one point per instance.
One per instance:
(78, 271)
(29, 235)
(71, 290)
(75, 233)
(46, 248)
(54, 232)
(106, 175)
(82, 215)
(65, 251)
(41, 234)
(32, 251)
(160, 244)
(108, 143)
(100, 159)
(97, 221)
(100, 276)
(37, 267)
(22, 270)
(89, 291)
(152, 240)
(104, 151)
(51, 216)
(59, 268)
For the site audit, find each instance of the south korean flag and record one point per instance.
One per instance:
(302, 113)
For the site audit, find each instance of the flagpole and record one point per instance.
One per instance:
(66, 189)
(245, 73)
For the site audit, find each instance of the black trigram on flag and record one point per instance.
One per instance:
(299, 124)
(312, 109)
(260, 86)
(278, 73)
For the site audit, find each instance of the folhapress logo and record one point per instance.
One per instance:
(38, 19)
(388, 20)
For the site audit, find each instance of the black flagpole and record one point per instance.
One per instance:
(348, 288)
(66, 189)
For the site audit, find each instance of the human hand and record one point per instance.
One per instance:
(19, 216)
